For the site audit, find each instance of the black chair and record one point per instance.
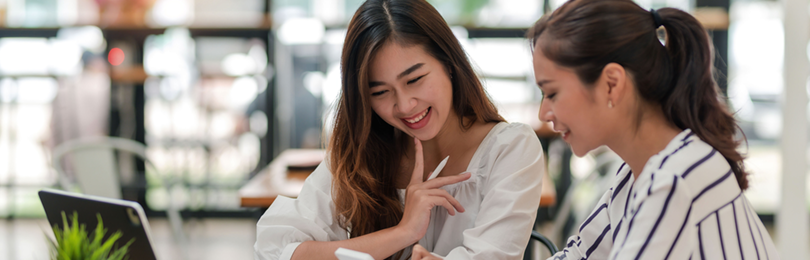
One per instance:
(546, 242)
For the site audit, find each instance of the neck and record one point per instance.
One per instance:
(636, 146)
(449, 139)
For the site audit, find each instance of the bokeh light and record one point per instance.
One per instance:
(116, 56)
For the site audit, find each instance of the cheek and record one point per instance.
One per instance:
(443, 93)
(384, 109)
(574, 113)
(381, 109)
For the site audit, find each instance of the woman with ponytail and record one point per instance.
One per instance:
(608, 79)
(410, 99)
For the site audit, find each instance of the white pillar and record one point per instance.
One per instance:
(792, 217)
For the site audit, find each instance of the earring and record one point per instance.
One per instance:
(610, 104)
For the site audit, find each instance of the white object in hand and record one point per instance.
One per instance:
(348, 254)
(438, 168)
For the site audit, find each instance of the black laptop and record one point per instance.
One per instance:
(126, 216)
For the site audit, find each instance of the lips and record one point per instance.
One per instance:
(564, 133)
(419, 120)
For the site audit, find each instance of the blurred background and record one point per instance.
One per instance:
(213, 91)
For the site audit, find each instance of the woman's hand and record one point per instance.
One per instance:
(420, 253)
(421, 197)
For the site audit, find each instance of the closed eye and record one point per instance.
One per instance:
(545, 96)
(416, 79)
(378, 93)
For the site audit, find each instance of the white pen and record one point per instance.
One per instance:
(438, 168)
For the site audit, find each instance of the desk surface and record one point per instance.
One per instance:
(272, 181)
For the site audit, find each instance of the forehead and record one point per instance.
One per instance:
(542, 65)
(544, 68)
(393, 58)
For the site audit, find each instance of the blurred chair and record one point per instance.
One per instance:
(545, 241)
(96, 172)
(598, 180)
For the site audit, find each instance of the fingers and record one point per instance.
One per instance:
(446, 204)
(437, 197)
(419, 164)
(442, 181)
(419, 252)
(449, 202)
(452, 200)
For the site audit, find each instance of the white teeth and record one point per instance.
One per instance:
(419, 118)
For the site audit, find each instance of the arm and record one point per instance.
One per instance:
(380, 245)
(288, 222)
(510, 198)
(421, 197)
(306, 228)
(309, 222)
(595, 235)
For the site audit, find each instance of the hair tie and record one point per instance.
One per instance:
(656, 18)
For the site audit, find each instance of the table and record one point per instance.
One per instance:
(275, 180)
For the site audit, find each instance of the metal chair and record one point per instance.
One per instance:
(94, 165)
(545, 241)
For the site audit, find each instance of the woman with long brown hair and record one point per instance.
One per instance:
(607, 79)
(410, 99)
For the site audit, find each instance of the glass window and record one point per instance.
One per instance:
(203, 117)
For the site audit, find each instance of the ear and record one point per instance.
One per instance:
(615, 78)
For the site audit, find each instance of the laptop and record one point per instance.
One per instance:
(126, 216)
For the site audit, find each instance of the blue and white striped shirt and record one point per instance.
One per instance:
(686, 204)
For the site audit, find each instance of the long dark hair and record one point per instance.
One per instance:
(586, 35)
(365, 151)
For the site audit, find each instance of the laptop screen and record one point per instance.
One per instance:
(117, 215)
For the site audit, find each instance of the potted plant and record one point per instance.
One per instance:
(74, 242)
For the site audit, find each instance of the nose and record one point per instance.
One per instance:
(406, 102)
(545, 113)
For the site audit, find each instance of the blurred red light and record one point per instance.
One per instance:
(116, 56)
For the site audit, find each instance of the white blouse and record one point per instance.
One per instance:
(686, 204)
(501, 200)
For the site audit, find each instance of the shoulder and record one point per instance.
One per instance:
(506, 134)
(321, 178)
(694, 159)
(510, 155)
(698, 171)
(510, 145)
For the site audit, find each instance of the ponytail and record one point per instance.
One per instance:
(586, 35)
(694, 102)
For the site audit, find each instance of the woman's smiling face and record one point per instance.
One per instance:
(410, 89)
(569, 105)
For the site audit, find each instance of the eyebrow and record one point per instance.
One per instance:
(401, 75)
(410, 70)
(541, 82)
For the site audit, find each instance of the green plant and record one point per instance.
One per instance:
(74, 243)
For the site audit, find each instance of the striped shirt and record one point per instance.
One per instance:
(686, 204)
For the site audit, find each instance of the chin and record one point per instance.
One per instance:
(425, 136)
(581, 151)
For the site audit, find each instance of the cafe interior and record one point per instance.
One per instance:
(205, 111)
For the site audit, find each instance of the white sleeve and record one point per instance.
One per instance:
(511, 196)
(288, 222)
